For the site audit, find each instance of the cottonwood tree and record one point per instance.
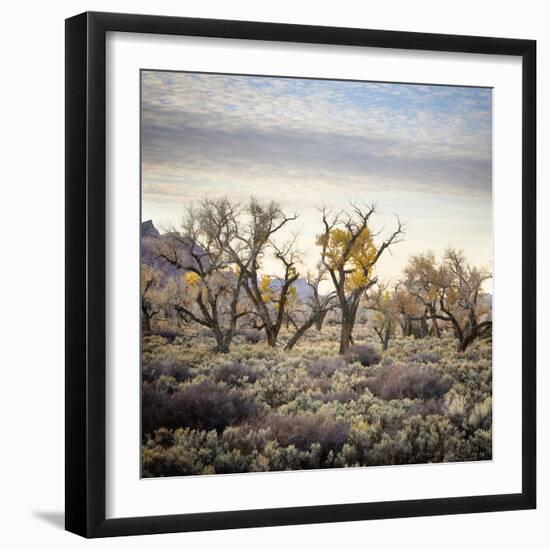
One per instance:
(408, 310)
(349, 254)
(271, 287)
(461, 303)
(210, 288)
(423, 280)
(458, 290)
(317, 301)
(152, 295)
(256, 226)
(386, 313)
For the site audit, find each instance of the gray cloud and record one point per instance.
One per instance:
(252, 152)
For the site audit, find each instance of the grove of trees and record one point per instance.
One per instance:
(212, 272)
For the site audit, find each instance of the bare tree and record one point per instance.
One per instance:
(423, 280)
(409, 311)
(451, 293)
(318, 302)
(318, 306)
(349, 254)
(256, 226)
(460, 299)
(386, 312)
(209, 291)
(152, 295)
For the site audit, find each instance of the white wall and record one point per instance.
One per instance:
(31, 271)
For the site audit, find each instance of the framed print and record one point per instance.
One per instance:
(300, 274)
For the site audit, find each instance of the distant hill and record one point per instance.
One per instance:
(150, 241)
(303, 290)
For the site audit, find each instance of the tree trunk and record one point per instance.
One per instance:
(423, 327)
(465, 342)
(383, 336)
(146, 322)
(468, 337)
(406, 326)
(320, 320)
(222, 345)
(299, 333)
(387, 336)
(271, 337)
(345, 336)
(435, 328)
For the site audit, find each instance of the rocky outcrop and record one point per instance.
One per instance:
(151, 241)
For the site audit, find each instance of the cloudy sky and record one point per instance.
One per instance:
(422, 152)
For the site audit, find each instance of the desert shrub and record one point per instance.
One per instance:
(230, 462)
(167, 384)
(455, 404)
(306, 429)
(164, 438)
(326, 366)
(154, 407)
(159, 462)
(263, 409)
(235, 373)
(244, 438)
(472, 355)
(426, 357)
(175, 368)
(425, 440)
(167, 334)
(250, 336)
(365, 354)
(427, 408)
(476, 447)
(151, 343)
(340, 396)
(282, 458)
(322, 385)
(192, 452)
(408, 381)
(204, 405)
(480, 416)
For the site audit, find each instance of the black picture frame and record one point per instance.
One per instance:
(86, 274)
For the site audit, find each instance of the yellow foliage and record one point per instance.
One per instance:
(359, 259)
(292, 296)
(265, 288)
(192, 278)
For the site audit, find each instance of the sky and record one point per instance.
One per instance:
(422, 152)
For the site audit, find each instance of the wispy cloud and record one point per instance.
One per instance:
(423, 151)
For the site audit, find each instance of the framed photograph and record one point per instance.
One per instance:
(300, 274)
